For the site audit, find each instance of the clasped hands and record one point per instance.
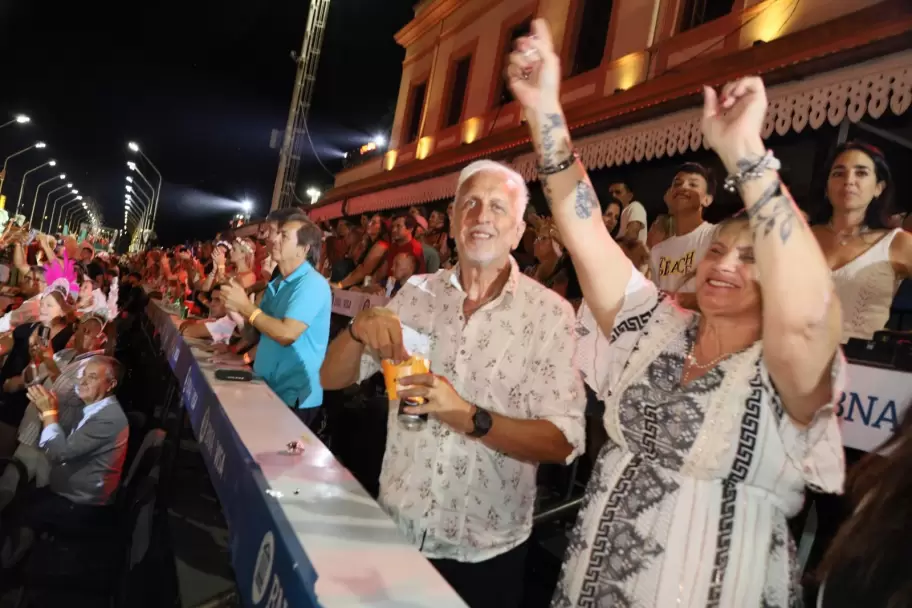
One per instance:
(44, 400)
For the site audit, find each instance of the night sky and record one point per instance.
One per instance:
(200, 85)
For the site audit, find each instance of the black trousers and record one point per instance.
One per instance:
(46, 511)
(315, 419)
(495, 583)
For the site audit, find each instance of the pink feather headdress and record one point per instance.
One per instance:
(62, 276)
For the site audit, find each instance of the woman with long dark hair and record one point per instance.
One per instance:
(438, 234)
(369, 255)
(867, 258)
(868, 562)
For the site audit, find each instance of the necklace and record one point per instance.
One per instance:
(692, 363)
(692, 360)
(843, 237)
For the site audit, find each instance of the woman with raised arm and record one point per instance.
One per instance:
(717, 420)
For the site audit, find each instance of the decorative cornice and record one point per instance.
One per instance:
(883, 28)
(425, 21)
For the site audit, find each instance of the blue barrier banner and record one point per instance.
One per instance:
(271, 567)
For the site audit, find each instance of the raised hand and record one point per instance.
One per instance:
(218, 257)
(533, 70)
(733, 119)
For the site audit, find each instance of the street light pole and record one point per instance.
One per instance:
(64, 206)
(72, 216)
(132, 214)
(144, 216)
(19, 118)
(46, 199)
(147, 209)
(51, 162)
(39, 144)
(54, 208)
(132, 166)
(37, 190)
(135, 148)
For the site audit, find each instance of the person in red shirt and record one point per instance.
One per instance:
(403, 241)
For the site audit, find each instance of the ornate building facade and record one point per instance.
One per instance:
(633, 72)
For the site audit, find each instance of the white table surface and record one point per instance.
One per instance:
(355, 548)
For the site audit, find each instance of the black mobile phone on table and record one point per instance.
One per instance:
(234, 375)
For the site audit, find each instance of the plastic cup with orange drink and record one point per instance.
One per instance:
(392, 372)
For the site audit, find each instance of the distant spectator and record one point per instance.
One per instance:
(219, 327)
(612, 216)
(403, 240)
(438, 235)
(370, 253)
(404, 266)
(633, 216)
(672, 262)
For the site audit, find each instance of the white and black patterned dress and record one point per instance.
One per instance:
(688, 502)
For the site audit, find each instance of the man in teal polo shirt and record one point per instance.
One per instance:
(293, 319)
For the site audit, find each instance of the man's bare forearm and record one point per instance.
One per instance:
(522, 439)
(342, 364)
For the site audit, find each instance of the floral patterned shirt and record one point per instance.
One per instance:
(451, 495)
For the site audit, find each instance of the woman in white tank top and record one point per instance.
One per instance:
(868, 259)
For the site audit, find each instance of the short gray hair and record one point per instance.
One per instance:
(115, 368)
(480, 166)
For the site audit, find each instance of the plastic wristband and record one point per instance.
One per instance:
(48, 414)
(256, 313)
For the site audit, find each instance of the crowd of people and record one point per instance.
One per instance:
(709, 359)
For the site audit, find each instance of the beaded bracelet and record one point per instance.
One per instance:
(767, 163)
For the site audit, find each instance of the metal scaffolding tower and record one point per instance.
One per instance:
(294, 140)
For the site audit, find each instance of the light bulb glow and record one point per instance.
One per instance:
(40, 144)
(23, 119)
(134, 147)
(52, 163)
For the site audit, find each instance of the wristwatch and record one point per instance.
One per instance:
(482, 422)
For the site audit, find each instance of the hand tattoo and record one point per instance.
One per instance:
(585, 199)
(773, 208)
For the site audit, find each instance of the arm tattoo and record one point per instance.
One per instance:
(549, 145)
(585, 200)
(772, 209)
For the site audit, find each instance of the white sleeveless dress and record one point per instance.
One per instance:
(866, 287)
(687, 504)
